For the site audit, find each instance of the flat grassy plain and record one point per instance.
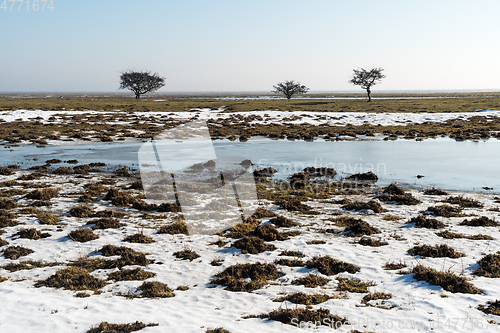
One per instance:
(177, 103)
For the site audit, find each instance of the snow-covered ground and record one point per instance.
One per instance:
(415, 306)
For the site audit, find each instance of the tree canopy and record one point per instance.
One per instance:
(367, 78)
(141, 82)
(289, 88)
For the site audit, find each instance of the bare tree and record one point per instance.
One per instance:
(141, 82)
(289, 88)
(367, 78)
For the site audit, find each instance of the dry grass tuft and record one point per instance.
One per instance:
(186, 255)
(391, 266)
(464, 202)
(445, 211)
(72, 278)
(136, 274)
(252, 245)
(493, 308)
(330, 266)
(81, 211)
(424, 222)
(311, 281)
(306, 299)
(235, 277)
(155, 290)
(290, 316)
(352, 285)
(179, 227)
(435, 191)
(106, 223)
(446, 280)
(31, 233)
(452, 235)
(43, 194)
(82, 235)
(281, 221)
(367, 241)
(139, 238)
(106, 327)
(482, 221)
(489, 266)
(438, 251)
(359, 206)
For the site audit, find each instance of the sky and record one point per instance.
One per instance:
(224, 46)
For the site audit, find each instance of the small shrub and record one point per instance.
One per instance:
(235, 277)
(186, 255)
(482, 221)
(136, 274)
(446, 280)
(311, 281)
(82, 235)
(330, 266)
(253, 245)
(15, 252)
(72, 278)
(352, 285)
(438, 251)
(429, 223)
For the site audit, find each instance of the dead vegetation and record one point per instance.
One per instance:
(329, 266)
(464, 202)
(186, 255)
(360, 228)
(492, 308)
(289, 262)
(43, 194)
(106, 327)
(136, 274)
(15, 252)
(352, 285)
(445, 211)
(106, 223)
(360, 206)
(435, 191)
(291, 315)
(283, 222)
(452, 235)
(31, 233)
(367, 176)
(28, 264)
(128, 256)
(155, 290)
(482, 221)
(179, 227)
(72, 278)
(489, 266)
(446, 280)
(311, 281)
(139, 238)
(306, 299)
(235, 277)
(81, 211)
(424, 222)
(252, 245)
(268, 232)
(392, 266)
(291, 253)
(437, 251)
(82, 235)
(367, 241)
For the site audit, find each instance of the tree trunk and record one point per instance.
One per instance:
(368, 91)
(137, 96)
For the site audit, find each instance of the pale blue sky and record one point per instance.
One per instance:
(250, 45)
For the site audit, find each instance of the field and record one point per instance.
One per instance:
(84, 250)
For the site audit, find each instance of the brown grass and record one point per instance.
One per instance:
(464, 202)
(370, 205)
(446, 280)
(292, 254)
(106, 327)
(186, 255)
(445, 211)
(311, 281)
(139, 238)
(31, 233)
(281, 221)
(435, 191)
(15, 252)
(43, 194)
(330, 266)
(252, 245)
(391, 266)
(452, 235)
(106, 223)
(493, 308)
(72, 278)
(352, 285)
(489, 266)
(298, 315)
(155, 290)
(482, 221)
(82, 235)
(360, 228)
(289, 262)
(81, 211)
(367, 241)
(268, 232)
(438, 251)
(179, 227)
(303, 298)
(424, 222)
(234, 277)
(136, 274)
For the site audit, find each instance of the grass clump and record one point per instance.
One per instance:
(375, 296)
(330, 266)
(128, 256)
(136, 274)
(235, 277)
(316, 242)
(390, 217)
(435, 191)
(27, 264)
(392, 266)
(292, 316)
(106, 223)
(370, 205)
(464, 202)
(393, 189)
(155, 290)
(291, 204)
(3, 242)
(240, 230)
(72, 278)
(452, 235)
(46, 217)
(15, 252)
(186, 255)
(292, 254)
(7, 219)
(493, 308)
(352, 285)
(446, 280)
(303, 298)
(268, 233)
(360, 228)
(179, 227)
(482, 221)
(32, 233)
(311, 281)
(445, 211)
(252, 245)
(363, 176)
(281, 221)
(262, 212)
(43, 194)
(400, 199)
(438, 251)
(489, 266)
(82, 235)
(139, 238)
(108, 213)
(424, 222)
(7, 204)
(289, 262)
(367, 241)
(217, 330)
(81, 211)
(106, 327)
